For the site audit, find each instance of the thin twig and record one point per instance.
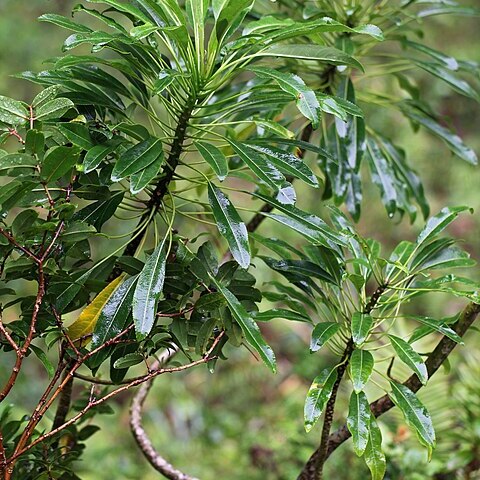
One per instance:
(95, 402)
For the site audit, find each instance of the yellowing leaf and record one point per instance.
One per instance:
(85, 323)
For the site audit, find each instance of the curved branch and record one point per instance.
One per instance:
(141, 436)
(433, 363)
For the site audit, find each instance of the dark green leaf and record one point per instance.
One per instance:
(305, 98)
(410, 357)
(137, 158)
(230, 225)
(361, 325)
(215, 158)
(249, 327)
(374, 456)
(358, 421)
(318, 396)
(322, 333)
(328, 55)
(53, 109)
(148, 290)
(141, 179)
(77, 134)
(288, 163)
(281, 313)
(415, 413)
(12, 112)
(361, 368)
(58, 161)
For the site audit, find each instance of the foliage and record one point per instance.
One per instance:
(198, 120)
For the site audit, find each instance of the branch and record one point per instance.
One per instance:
(95, 402)
(313, 469)
(22, 352)
(141, 436)
(434, 362)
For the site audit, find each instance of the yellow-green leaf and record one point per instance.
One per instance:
(85, 323)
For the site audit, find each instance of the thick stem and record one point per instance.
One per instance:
(313, 469)
(161, 189)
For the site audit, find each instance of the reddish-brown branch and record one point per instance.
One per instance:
(95, 402)
(7, 335)
(22, 352)
(15, 134)
(26, 251)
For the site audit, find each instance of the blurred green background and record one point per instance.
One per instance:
(242, 422)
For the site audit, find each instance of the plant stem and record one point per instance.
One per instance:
(313, 469)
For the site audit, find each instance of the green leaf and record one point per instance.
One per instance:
(383, 176)
(305, 97)
(17, 160)
(415, 413)
(210, 302)
(77, 134)
(230, 225)
(374, 456)
(95, 156)
(438, 223)
(46, 95)
(318, 396)
(58, 161)
(439, 327)
(328, 55)
(137, 158)
(358, 421)
(64, 22)
(361, 369)
(322, 333)
(249, 327)
(453, 141)
(141, 179)
(12, 112)
(98, 213)
(129, 360)
(35, 142)
(262, 168)
(310, 226)
(42, 356)
(214, 157)
(449, 257)
(114, 313)
(410, 357)
(280, 313)
(338, 106)
(361, 325)
(289, 163)
(77, 231)
(148, 290)
(299, 267)
(457, 84)
(53, 109)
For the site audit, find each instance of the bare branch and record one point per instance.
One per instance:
(141, 436)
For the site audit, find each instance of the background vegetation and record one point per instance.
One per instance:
(205, 423)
